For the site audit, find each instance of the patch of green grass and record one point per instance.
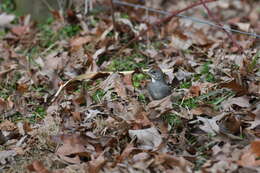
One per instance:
(7, 88)
(124, 15)
(205, 74)
(38, 114)
(202, 154)
(173, 120)
(142, 98)
(185, 84)
(254, 62)
(128, 63)
(137, 79)
(70, 30)
(205, 71)
(190, 103)
(98, 95)
(215, 98)
(49, 37)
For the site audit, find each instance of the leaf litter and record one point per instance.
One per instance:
(73, 98)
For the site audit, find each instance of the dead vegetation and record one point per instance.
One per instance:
(73, 94)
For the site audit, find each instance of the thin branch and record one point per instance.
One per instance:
(113, 15)
(217, 21)
(194, 19)
(163, 21)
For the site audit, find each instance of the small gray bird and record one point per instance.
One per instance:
(158, 87)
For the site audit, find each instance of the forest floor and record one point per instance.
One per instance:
(73, 94)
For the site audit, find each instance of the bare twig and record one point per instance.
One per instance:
(216, 20)
(113, 15)
(164, 21)
(194, 19)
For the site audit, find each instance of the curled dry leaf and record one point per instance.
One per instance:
(242, 102)
(73, 148)
(148, 139)
(210, 125)
(180, 41)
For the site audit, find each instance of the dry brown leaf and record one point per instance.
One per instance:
(148, 139)
(249, 158)
(96, 164)
(233, 85)
(172, 161)
(204, 110)
(79, 41)
(180, 41)
(126, 152)
(194, 91)
(73, 148)
(38, 167)
(8, 126)
(242, 102)
(20, 30)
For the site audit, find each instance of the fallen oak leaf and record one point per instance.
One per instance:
(148, 139)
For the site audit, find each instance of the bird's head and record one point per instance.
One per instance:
(156, 74)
